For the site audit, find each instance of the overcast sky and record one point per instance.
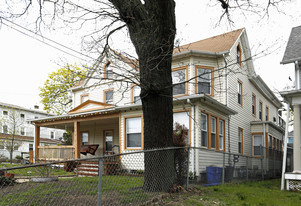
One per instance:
(25, 62)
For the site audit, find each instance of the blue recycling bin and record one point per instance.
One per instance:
(214, 175)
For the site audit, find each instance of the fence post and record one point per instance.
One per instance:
(100, 169)
(223, 174)
(187, 178)
(247, 167)
(261, 161)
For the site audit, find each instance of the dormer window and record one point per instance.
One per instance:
(108, 96)
(108, 71)
(238, 55)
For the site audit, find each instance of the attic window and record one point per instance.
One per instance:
(108, 71)
(238, 55)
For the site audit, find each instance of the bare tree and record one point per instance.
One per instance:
(11, 125)
(151, 27)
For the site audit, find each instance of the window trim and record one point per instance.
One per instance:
(252, 143)
(260, 115)
(224, 135)
(238, 48)
(104, 95)
(240, 85)
(253, 95)
(84, 95)
(132, 93)
(125, 134)
(212, 79)
(186, 78)
(189, 129)
(207, 129)
(267, 113)
(105, 70)
(104, 139)
(216, 130)
(81, 136)
(241, 131)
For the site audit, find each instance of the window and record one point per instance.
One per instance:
(179, 75)
(260, 111)
(136, 95)
(183, 119)
(274, 143)
(5, 113)
(51, 134)
(30, 147)
(85, 138)
(267, 113)
(257, 145)
(108, 71)
(238, 55)
(213, 132)
(84, 98)
(270, 142)
(221, 134)
(253, 104)
(22, 116)
(239, 92)
(109, 96)
(36, 117)
(16, 147)
(133, 133)
(240, 140)
(108, 141)
(204, 128)
(22, 131)
(5, 130)
(204, 84)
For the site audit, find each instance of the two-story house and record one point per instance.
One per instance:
(217, 96)
(13, 116)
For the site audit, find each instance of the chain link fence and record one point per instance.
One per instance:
(134, 178)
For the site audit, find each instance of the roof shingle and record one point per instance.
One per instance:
(293, 49)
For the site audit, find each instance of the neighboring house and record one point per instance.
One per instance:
(223, 103)
(292, 96)
(25, 131)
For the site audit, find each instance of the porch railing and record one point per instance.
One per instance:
(55, 153)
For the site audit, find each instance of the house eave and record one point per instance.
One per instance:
(199, 53)
(272, 124)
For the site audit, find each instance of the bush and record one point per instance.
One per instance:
(4, 181)
(18, 157)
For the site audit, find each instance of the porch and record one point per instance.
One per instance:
(92, 134)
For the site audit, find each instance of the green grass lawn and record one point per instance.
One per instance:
(32, 171)
(250, 193)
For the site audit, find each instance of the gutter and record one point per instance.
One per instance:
(196, 52)
(290, 61)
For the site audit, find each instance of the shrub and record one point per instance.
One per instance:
(18, 157)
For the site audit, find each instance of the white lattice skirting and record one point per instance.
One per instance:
(293, 181)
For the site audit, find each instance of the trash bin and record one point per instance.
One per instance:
(214, 175)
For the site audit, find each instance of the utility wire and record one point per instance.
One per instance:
(42, 41)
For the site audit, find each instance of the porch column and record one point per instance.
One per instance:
(36, 142)
(297, 140)
(77, 140)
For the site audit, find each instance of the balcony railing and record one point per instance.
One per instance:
(55, 153)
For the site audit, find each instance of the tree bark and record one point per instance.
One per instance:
(152, 30)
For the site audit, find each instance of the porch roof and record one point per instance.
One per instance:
(113, 112)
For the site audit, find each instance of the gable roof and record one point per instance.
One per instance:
(89, 105)
(216, 44)
(293, 49)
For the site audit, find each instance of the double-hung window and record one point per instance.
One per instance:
(240, 140)
(267, 113)
(238, 55)
(204, 122)
(109, 97)
(239, 92)
(204, 81)
(260, 111)
(85, 138)
(257, 145)
(178, 76)
(253, 104)
(5, 129)
(22, 131)
(108, 71)
(182, 118)
(213, 132)
(133, 133)
(136, 95)
(221, 134)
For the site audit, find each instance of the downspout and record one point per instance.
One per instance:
(227, 103)
(285, 146)
(193, 136)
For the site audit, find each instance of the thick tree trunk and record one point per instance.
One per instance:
(152, 30)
